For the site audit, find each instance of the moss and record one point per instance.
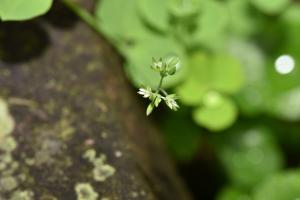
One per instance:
(48, 197)
(22, 195)
(64, 126)
(85, 191)
(49, 149)
(6, 158)
(29, 161)
(8, 166)
(101, 170)
(90, 155)
(2, 166)
(8, 183)
(9, 144)
(7, 123)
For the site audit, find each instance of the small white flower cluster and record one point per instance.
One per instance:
(170, 99)
(145, 92)
(165, 68)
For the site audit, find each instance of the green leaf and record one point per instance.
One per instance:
(191, 92)
(221, 73)
(23, 9)
(292, 15)
(249, 155)
(227, 74)
(120, 22)
(184, 9)
(211, 24)
(286, 105)
(251, 97)
(283, 186)
(217, 112)
(271, 6)
(241, 21)
(283, 93)
(155, 12)
(139, 61)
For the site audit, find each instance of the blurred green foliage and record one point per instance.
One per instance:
(230, 89)
(22, 9)
(249, 155)
(235, 98)
(281, 186)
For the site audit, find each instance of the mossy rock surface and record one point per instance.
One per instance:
(66, 91)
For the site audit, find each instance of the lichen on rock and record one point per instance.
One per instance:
(85, 191)
(101, 170)
(9, 177)
(7, 146)
(7, 123)
(22, 195)
(8, 183)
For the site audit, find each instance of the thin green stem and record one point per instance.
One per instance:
(164, 92)
(83, 14)
(160, 84)
(158, 87)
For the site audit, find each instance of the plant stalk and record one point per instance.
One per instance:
(83, 14)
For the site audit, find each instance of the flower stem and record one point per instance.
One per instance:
(83, 14)
(164, 92)
(160, 84)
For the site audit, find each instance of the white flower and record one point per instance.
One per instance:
(171, 101)
(145, 92)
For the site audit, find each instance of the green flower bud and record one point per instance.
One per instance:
(172, 65)
(150, 109)
(157, 64)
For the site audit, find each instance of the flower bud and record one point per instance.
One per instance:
(172, 65)
(157, 65)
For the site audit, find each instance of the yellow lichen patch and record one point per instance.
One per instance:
(8, 167)
(101, 170)
(8, 144)
(22, 195)
(85, 191)
(7, 123)
(48, 197)
(64, 126)
(8, 183)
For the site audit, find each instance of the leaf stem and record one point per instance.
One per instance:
(83, 14)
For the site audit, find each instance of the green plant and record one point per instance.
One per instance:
(23, 9)
(227, 82)
(282, 186)
(206, 81)
(165, 68)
